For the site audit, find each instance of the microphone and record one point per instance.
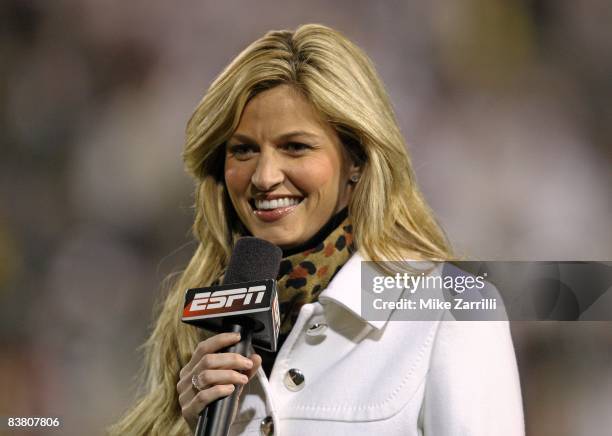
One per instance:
(246, 303)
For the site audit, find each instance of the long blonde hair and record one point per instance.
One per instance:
(390, 217)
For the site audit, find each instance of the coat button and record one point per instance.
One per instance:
(266, 428)
(316, 329)
(294, 380)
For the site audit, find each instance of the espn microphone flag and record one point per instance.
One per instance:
(215, 306)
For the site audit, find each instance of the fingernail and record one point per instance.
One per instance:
(248, 363)
(237, 335)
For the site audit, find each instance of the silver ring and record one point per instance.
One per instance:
(195, 384)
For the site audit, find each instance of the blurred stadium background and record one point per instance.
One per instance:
(505, 105)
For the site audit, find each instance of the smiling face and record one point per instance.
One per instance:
(286, 170)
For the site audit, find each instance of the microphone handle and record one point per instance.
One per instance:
(216, 418)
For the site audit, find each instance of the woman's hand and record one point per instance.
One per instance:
(217, 374)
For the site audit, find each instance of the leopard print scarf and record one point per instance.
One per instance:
(303, 275)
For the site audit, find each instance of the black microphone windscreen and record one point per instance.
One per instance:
(253, 259)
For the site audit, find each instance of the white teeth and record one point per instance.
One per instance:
(276, 203)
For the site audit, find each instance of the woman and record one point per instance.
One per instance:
(296, 142)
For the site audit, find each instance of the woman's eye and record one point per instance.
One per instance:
(242, 151)
(296, 147)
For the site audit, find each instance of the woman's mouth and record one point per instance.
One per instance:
(273, 210)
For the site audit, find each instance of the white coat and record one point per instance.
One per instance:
(387, 378)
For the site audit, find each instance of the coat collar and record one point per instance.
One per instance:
(345, 290)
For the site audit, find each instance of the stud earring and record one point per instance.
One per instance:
(355, 178)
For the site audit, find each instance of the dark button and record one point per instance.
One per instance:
(294, 380)
(267, 426)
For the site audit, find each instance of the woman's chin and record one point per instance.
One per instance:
(283, 241)
(281, 237)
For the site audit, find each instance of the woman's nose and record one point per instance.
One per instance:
(268, 173)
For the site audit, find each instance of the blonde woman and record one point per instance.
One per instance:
(296, 142)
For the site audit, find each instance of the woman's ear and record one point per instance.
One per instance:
(354, 173)
(354, 154)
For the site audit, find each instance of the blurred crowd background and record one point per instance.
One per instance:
(505, 105)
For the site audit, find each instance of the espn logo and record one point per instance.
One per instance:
(227, 298)
(214, 307)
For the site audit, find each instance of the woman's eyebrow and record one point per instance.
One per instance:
(295, 133)
(285, 136)
(241, 137)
